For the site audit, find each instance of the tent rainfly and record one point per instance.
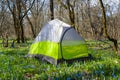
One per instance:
(58, 41)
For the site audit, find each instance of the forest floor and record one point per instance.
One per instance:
(104, 65)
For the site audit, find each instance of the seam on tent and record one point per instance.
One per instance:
(61, 41)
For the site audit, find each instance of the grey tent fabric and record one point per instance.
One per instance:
(71, 37)
(52, 31)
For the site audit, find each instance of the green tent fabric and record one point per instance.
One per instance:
(56, 41)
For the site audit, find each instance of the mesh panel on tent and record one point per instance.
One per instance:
(73, 45)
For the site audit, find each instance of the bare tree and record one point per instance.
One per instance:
(3, 32)
(69, 5)
(105, 27)
(18, 14)
(93, 29)
(36, 20)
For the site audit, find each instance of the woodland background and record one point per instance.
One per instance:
(23, 19)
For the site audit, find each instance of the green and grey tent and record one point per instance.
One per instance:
(58, 41)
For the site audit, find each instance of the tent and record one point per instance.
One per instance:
(58, 41)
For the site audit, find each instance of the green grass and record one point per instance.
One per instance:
(15, 66)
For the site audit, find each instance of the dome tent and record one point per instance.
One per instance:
(58, 41)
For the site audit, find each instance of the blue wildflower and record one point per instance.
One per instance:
(68, 78)
(114, 76)
(57, 79)
(102, 72)
(78, 75)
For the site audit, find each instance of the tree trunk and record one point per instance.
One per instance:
(93, 30)
(16, 25)
(31, 25)
(77, 18)
(115, 47)
(3, 39)
(83, 24)
(6, 39)
(71, 13)
(51, 9)
(20, 20)
(22, 33)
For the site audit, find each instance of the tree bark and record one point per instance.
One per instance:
(22, 33)
(31, 25)
(51, 9)
(71, 13)
(16, 24)
(20, 20)
(83, 20)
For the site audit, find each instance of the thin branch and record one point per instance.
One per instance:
(38, 10)
(42, 5)
(8, 4)
(62, 4)
(27, 9)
